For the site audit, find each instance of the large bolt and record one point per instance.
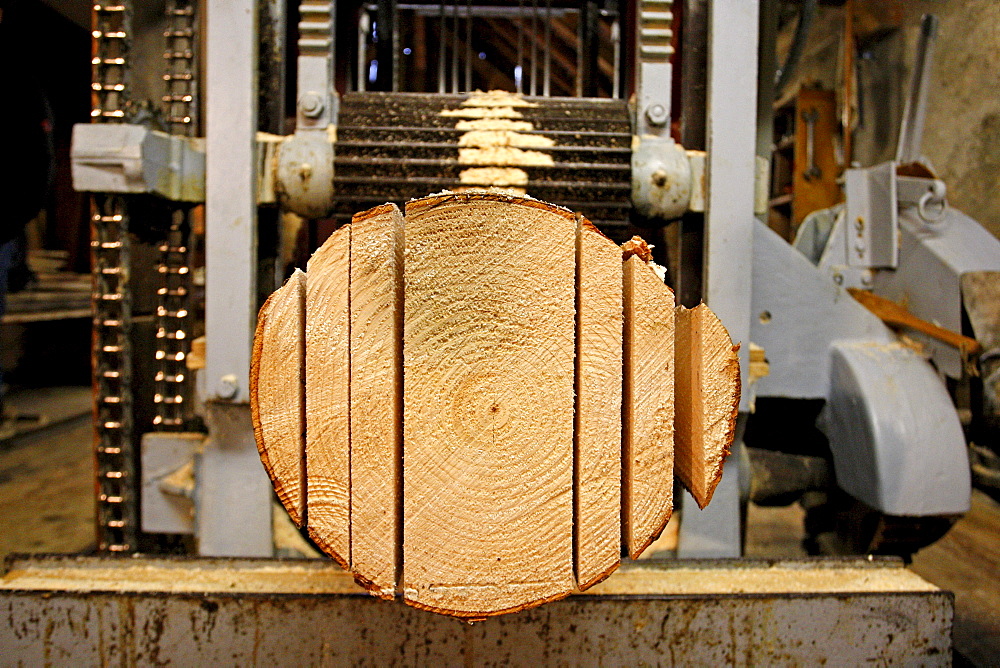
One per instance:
(656, 114)
(229, 385)
(311, 105)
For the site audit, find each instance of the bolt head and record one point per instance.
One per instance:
(229, 386)
(656, 114)
(660, 178)
(311, 105)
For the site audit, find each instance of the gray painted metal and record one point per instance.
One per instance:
(231, 196)
(233, 494)
(896, 440)
(798, 312)
(933, 258)
(118, 158)
(911, 131)
(661, 177)
(85, 611)
(872, 227)
(710, 532)
(654, 48)
(895, 436)
(729, 219)
(168, 480)
(305, 173)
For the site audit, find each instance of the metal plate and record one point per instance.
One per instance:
(86, 611)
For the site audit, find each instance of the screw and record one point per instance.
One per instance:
(659, 178)
(311, 105)
(229, 385)
(657, 114)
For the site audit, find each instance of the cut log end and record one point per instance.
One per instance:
(328, 447)
(276, 393)
(485, 400)
(708, 396)
(648, 418)
(598, 424)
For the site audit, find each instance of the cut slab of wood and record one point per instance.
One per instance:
(598, 406)
(708, 397)
(648, 400)
(277, 392)
(376, 397)
(488, 401)
(328, 446)
(488, 353)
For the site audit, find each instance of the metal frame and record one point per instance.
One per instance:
(728, 243)
(229, 470)
(222, 612)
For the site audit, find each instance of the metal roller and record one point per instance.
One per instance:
(397, 146)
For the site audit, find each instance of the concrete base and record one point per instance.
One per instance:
(89, 611)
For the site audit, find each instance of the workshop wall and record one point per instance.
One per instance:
(962, 128)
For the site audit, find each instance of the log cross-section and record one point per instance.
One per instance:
(376, 304)
(597, 482)
(648, 443)
(488, 349)
(489, 395)
(277, 396)
(328, 423)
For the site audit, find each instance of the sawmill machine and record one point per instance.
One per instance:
(274, 122)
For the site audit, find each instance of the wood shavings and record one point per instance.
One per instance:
(494, 176)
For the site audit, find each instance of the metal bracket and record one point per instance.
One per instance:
(875, 197)
(134, 159)
(655, 35)
(872, 225)
(305, 173)
(661, 177)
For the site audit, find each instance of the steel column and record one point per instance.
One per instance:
(237, 520)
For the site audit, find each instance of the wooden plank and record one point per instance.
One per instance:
(708, 397)
(648, 400)
(328, 445)
(376, 397)
(488, 396)
(812, 191)
(277, 392)
(597, 488)
(896, 315)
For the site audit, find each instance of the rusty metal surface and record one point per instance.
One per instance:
(85, 611)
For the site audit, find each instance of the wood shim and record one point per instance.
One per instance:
(708, 398)
(376, 396)
(328, 446)
(599, 406)
(648, 399)
(277, 392)
(488, 402)
(488, 388)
